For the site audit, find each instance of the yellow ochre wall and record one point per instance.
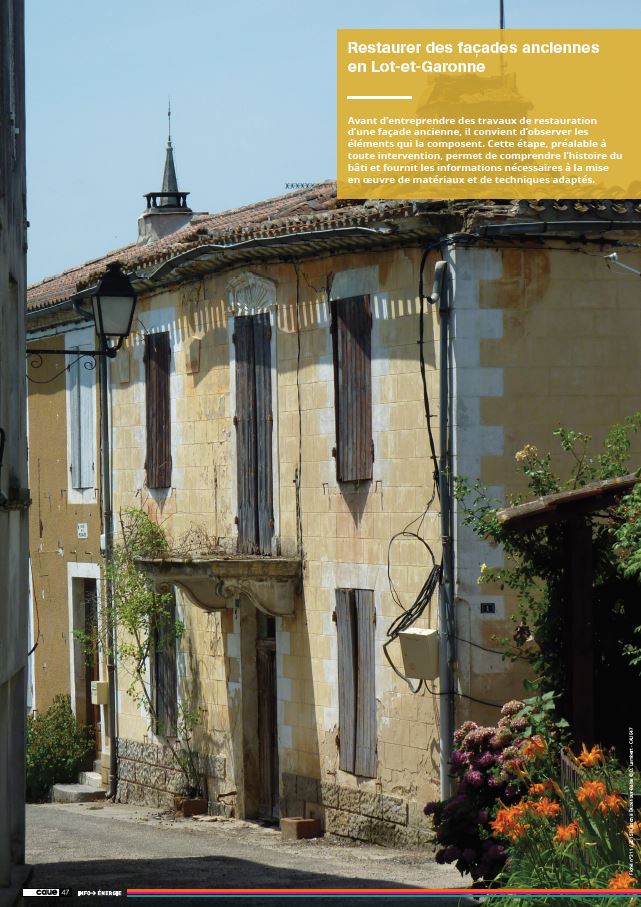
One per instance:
(53, 524)
(346, 530)
(556, 344)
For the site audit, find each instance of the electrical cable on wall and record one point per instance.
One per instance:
(410, 615)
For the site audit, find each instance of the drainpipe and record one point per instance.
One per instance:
(108, 531)
(446, 616)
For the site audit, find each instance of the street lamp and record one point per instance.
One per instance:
(114, 301)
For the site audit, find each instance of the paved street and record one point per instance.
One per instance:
(119, 846)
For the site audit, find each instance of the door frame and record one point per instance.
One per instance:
(251, 294)
(77, 571)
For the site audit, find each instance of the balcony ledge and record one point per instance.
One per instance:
(214, 582)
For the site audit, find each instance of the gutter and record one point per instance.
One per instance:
(440, 296)
(562, 226)
(282, 239)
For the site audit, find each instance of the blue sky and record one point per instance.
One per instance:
(252, 85)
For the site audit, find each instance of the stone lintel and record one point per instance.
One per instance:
(214, 583)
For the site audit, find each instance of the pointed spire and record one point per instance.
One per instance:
(167, 210)
(169, 181)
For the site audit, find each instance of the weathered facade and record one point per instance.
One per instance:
(269, 409)
(14, 495)
(65, 522)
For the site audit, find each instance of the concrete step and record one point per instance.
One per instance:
(93, 779)
(77, 793)
(97, 765)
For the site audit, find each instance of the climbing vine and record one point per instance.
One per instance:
(534, 562)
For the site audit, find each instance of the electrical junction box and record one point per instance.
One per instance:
(419, 650)
(99, 692)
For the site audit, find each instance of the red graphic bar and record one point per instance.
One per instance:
(397, 892)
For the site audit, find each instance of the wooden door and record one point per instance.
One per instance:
(92, 655)
(267, 721)
(253, 420)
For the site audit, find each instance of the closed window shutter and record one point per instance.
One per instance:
(166, 674)
(264, 423)
(352, 341)
(157, 365)
(345, 628)
(74, 423)
(365, 752)
(254, 428)
(82, 419)
(246, 452)
(355, 625)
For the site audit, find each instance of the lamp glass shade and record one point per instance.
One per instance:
(114, 314)
(113, 304)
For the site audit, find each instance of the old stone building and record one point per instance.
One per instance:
(14, 495)
(269, 409)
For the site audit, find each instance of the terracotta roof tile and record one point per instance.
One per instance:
(312, 206)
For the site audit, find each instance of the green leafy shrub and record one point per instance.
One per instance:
(56, 748)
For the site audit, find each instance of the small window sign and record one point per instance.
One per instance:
(488, 608)
(83, 531)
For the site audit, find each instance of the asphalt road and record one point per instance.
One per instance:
(115, 847)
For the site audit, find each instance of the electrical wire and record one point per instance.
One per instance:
(35, 599)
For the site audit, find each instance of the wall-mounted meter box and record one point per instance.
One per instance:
(419, 649)
(99, 692)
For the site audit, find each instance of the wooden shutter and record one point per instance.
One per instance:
(355, 622)
(365, 751)
(246, 452)
(264, 423)
(166, 674)
(157, 364)
(352, 341)
(254, 423)
(347, 661)
(82, 423)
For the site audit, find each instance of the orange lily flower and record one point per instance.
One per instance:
(546, 807)
(590, 758)
(622, 880)
(566, 833)
(537, 790)
(533, 747)
(591, 792)
(610, 803)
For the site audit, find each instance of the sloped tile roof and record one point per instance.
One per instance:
(315, 207)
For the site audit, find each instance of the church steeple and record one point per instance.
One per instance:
(169, 181)
(167, 210)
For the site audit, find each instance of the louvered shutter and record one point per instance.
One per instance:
(158, 408)
(166, 674)
(254, 425)
(347, 660)
(365, 750)
(246, 453)
(82, 423)
(264, 423)
(352, 341)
